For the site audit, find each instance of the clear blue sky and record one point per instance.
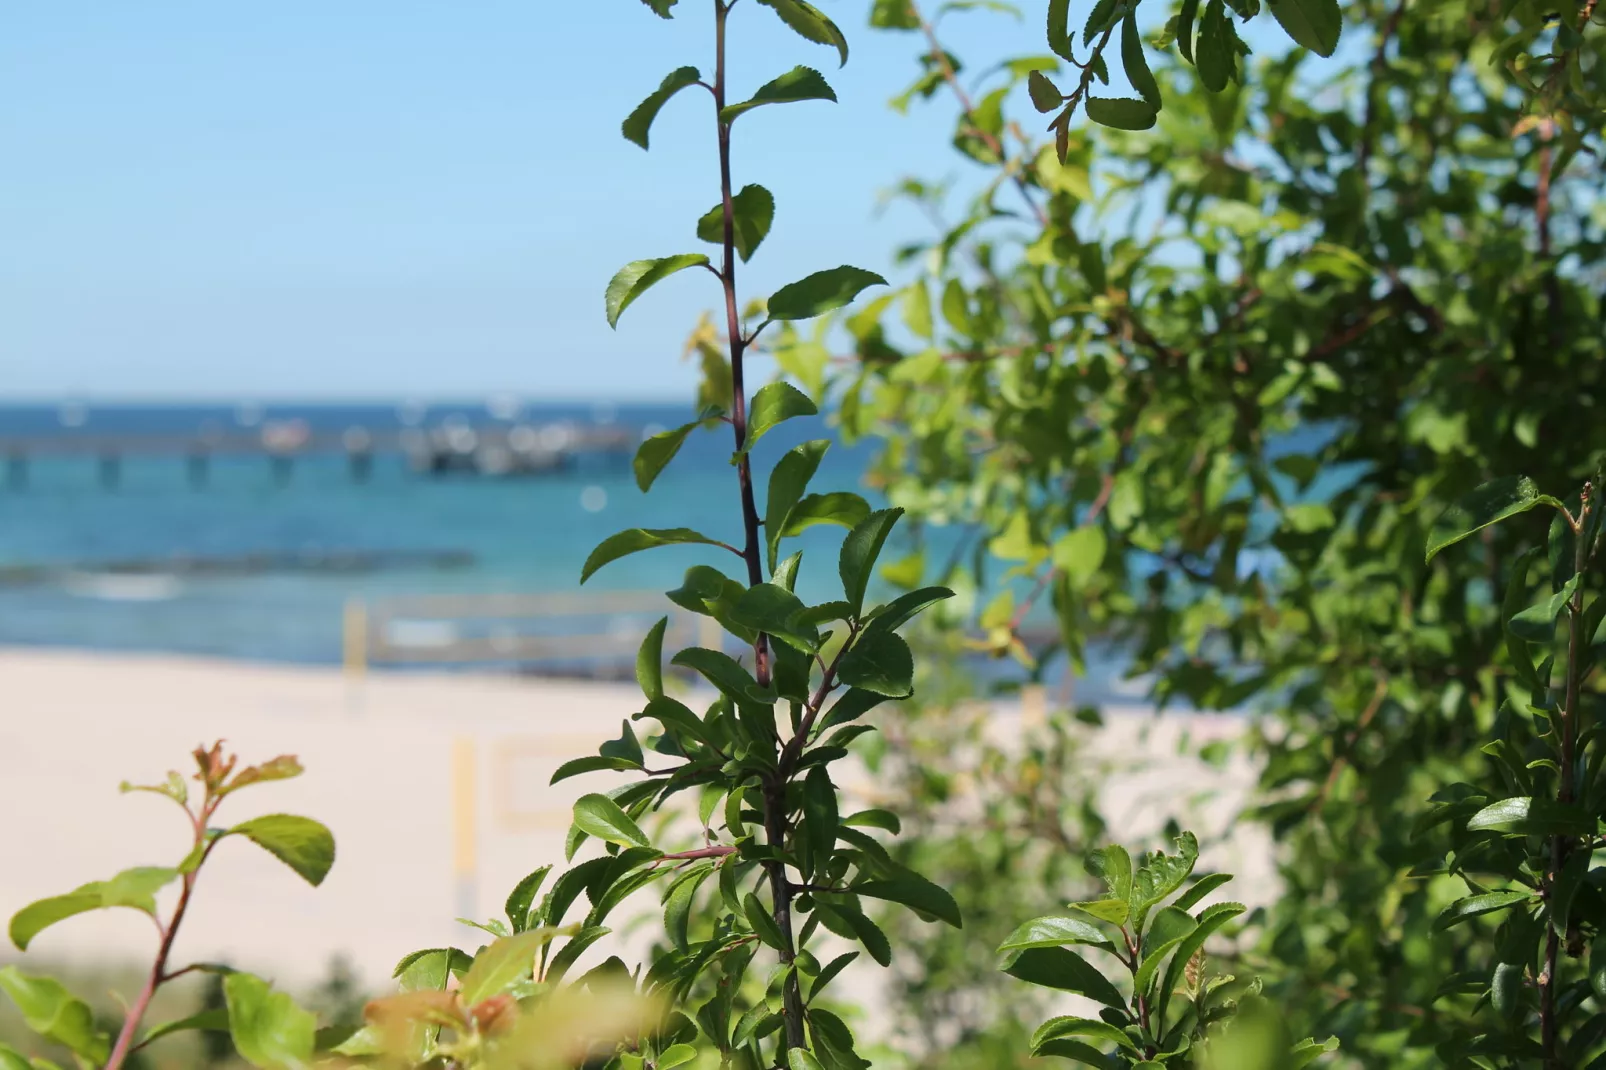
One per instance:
(383, 198)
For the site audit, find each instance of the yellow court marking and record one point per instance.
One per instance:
(510, 754)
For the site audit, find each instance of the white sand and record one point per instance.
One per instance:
(379, 755)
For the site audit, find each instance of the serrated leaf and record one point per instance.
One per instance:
(915, 892)
(723, 671)
(599, 816)
(859, 552)
(1122, 113)
(1046, 96)
(840, 507)
(639, 276)
(819, 293)
(797, 84)
(846, 921)
(788, 480)
(772, 405)
(301, 843)
(521, 899)
(1313, 24)
(1059, 968)
(880, 662)
(1170, 928)
(1523, 816)
(810, 23)
(592, 763)
(1490, 503)
(1136, 63)
(752, 214)
(762, 924)
(774, 610)
(1055, 930)
(639, 122)
(1071, 1026)
(634, 540)
(1209, 920)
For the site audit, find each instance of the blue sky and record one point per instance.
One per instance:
(384, 198)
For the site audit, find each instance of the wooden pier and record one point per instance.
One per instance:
(487, 450)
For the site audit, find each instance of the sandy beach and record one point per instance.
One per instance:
(435, 786)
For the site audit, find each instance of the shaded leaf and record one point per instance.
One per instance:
(843, 508)
(639, 122)
(1491, 503)
(860, 550)
(1122, 113)
(634, 540)
(821, 292)
(811, 24)
(788, 480)
(752, 213)
(916, 892)
(880, 662)
(1313, 24)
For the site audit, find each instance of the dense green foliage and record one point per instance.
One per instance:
(1235, 380)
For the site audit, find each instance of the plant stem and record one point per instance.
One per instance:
(158, 973)
(775, 814)
(1560, 846)
(733, 329)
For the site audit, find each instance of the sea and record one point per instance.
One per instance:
(258, 563)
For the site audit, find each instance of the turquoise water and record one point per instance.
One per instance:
(86, 562)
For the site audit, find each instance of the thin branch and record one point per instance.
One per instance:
(1342, 759)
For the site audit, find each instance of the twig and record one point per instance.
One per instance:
(1342, 759)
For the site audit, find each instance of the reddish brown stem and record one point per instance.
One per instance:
(158, 972)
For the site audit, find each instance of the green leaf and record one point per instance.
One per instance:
(134, 888)
(1185, 20)
(504, 963)
(841, 507)
(799, 83)
(1121, 113)
(810, 24)
(802, 1059)
(301, 843)
(1079, 553)
(788, 480)
(1055, 930)
(774, 610)
(634, 540)
(1059, 29)
(898, 612)
(724, 672)
(1475, 905)
(1215, 61)
(1532, 817)
(762, 924)
(650, 661)
(1313, 24)
(522, 898)
(1114, 911)
(1059, 968)
(1210, 919)
(1169, 928)
(880, 662)
(1201, 888)
(852, 923)
(1046, 97)
(678, 904)
(639, 122)
(1491, 503)
(1113, 866)
(212, 1021)
(592, 763)
(1135, 63)
(655, 453)
(53, 1012)
(894, 15)
(599, 816)
(1537, 623)
(821, 292)
(661, 7)
(639, 276)
(269, 1031)
(820, 817)
(860, 550)
(1069, 1026)
(676, 717)
(772, 405)
(915, 892)
(674, 1055)
(752, 213)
